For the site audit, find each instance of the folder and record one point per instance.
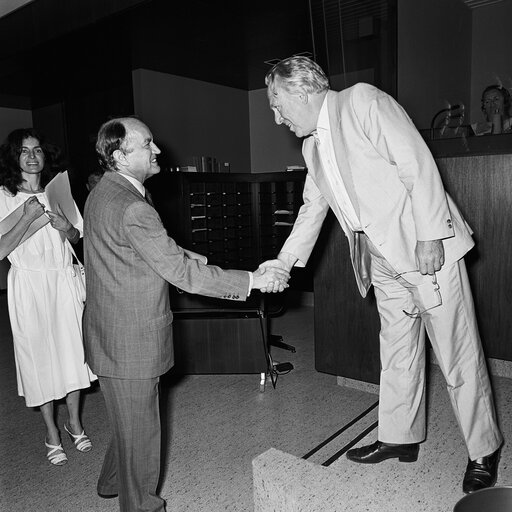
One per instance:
(58, 192)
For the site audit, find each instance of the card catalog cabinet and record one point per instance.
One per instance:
(237, 221)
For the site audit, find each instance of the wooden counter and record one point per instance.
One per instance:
(347, 326)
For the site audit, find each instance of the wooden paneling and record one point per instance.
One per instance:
(347, 326)
(482, 188)
(218, 345)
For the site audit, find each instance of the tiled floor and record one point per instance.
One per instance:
(432, 484)
(215, 425)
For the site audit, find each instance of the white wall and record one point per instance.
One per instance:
(193, 118)
(273, 147)
(13, 118)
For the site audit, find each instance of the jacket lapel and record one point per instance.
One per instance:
(334, 106)
(357, 245)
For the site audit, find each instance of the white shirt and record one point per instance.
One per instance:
(323, 139)
(135, 182)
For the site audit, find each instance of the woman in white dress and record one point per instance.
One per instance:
(44, 308)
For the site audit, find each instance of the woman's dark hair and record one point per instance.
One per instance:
(10, 171)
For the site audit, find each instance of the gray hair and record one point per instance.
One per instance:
(298, 74)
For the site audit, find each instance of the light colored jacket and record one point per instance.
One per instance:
(392, 181)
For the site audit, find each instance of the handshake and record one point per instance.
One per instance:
(273, 275)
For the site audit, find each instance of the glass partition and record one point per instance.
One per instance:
(356, 41)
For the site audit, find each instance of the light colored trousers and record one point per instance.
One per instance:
(453, 332)
(131, 467)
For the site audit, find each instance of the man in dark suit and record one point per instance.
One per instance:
(129, 261)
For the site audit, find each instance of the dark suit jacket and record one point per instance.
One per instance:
(129, 261)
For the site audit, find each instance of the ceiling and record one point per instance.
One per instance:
(473, 4)
(50, 46)
(45, 46)
(7, 6)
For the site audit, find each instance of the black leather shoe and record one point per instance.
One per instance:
(379, 451)
(107, 495)
(481, 473)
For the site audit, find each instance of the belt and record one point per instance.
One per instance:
(15, 267)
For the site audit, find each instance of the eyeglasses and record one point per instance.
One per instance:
(439, 300)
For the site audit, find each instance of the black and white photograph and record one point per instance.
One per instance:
(255, 256)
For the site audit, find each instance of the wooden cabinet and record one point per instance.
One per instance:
(347, 326)
(237, 221)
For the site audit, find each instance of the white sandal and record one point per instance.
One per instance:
(81, 441)
(56, 454)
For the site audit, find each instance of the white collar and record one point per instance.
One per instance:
(135, 182)
(323, 117)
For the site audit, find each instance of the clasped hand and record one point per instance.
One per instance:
(272, 276)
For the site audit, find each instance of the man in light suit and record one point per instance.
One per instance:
(129, 261)
(367, 162)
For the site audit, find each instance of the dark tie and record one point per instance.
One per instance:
(148, 198)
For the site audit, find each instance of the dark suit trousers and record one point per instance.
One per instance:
(131, 467)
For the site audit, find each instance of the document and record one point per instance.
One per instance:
(58, 192)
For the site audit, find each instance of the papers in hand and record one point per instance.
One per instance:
(58, 192)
